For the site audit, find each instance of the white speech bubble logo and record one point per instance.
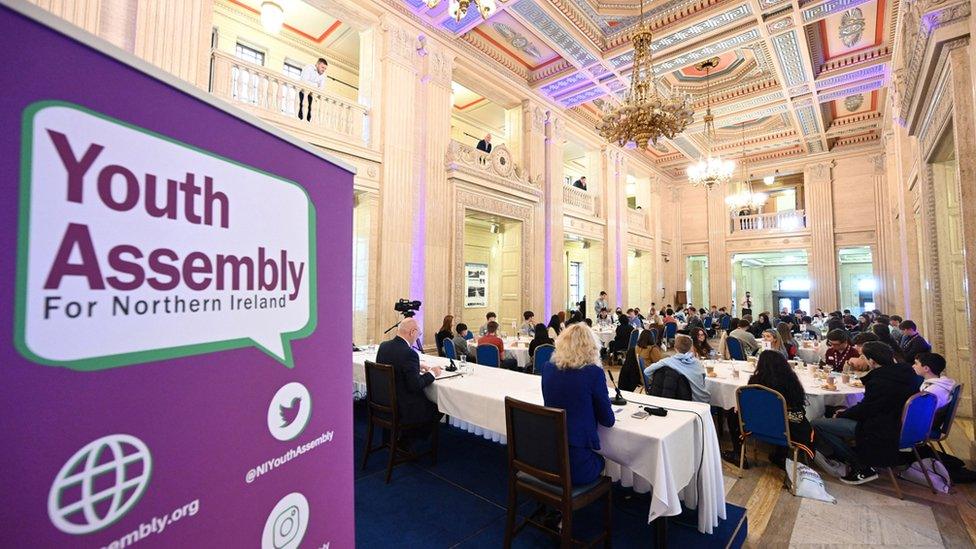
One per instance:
(136, 247)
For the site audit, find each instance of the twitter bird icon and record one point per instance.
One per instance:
(290, 413)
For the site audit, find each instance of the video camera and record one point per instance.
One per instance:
(406, 307)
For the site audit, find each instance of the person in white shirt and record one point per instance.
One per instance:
(930, 366)
(312, 76)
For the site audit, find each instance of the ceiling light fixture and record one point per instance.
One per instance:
(711, 170)
(272, 17)
(645, 116)
(458, 9)
(745, 199)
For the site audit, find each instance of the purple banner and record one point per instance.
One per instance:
(177, 281)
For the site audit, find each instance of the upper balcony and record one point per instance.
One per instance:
(275, 98)
(785, 221)
(638, 220)
(580, 201)
(495, 169)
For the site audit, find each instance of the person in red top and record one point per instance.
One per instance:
(839, 350)
(491, 338)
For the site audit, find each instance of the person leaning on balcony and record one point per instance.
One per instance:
(485, 144)
(580, 183)
(313, 76)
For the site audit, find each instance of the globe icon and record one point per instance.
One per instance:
(99, 484)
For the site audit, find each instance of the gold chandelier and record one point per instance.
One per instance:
(644, 117)
(459, 8)
(745, 199)
(711, 170)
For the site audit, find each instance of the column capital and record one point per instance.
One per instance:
(878, 161)
(400, 43)
(534, 114)
(438, 62)
(820, 172)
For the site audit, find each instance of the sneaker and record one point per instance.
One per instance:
(859, 476)
(829, 465)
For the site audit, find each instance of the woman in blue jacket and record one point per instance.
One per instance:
(574, 381)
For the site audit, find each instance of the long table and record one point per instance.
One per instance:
(676, 457)
(722, 388)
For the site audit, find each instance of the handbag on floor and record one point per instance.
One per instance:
(808, 483)
(937, 473)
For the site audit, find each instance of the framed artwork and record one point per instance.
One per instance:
(476, 285)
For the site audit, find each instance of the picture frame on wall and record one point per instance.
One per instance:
(476, 285)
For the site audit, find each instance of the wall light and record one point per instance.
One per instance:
(272, 17)
(769, 179)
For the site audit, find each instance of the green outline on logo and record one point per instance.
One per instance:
(138, 357)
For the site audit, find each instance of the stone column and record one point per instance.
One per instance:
(615, 210)
(175, 36)
(818, 184)
(885, 283)
(555, 264)
(434, 119)
(654, 211)
(365, 239)
(400, 265)
(719, 281)
(81, 13)
(533, 152)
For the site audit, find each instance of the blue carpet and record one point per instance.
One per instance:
(460, 502)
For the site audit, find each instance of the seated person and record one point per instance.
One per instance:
(875, 422)
(912, 342)
(622, 338)
(460, 340)
(491, 338)
(412, 402)
(647, 350)
(883, 334)
(575, 382)
(771, 340)
(894, 321)
(603, 319)
(930, 367)
(749, 343)
(773, 371)
(700, 346)
(444, 333)
(684, 363)
(808, 329)
(489, 318)
(633, 319)
(555, 326)
(528, 324)
(859, 363)
(785, 330)
(541, 337)
(839, 349)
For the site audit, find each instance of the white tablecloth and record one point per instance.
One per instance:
(606, 335)
(812, 354)
(519, 349)
(678, 455)
(722, 388)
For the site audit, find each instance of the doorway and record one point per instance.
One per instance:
(492, 275)
(772, 280)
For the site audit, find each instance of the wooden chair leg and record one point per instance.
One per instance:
(369, 443)
(394, 435)
(925, 470)
(894, 481)
(510, 514)
(796, 456)
(608, 520)
(566, 534)
(742, 456)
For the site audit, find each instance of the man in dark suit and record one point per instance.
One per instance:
(485, 144)
(580, 183)
(413, 404)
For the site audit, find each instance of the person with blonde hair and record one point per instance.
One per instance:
(574, 381)
(772, 341)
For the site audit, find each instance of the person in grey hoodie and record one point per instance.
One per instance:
(685, 363)
(930, 367)
(749, 343)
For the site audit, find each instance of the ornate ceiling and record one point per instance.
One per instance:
(798, 77)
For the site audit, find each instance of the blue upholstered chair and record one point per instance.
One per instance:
(448, 348)
(670, 330)
(633, 339)
(543, 353)
(916, 428)
(735, 348)
(763, 417)
(488, 356)
(708, 323)
(726, 322)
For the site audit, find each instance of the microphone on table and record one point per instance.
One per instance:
(451, 367)
(618, 400)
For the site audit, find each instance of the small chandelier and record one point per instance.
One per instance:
(711, 170)
(272, 17)
(458, 9)
(745, 199)
(644, 117)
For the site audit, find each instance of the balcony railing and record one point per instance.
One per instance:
(637, 219)
(790, 220)
(497, 166)
(578, 199)
(275, 97)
